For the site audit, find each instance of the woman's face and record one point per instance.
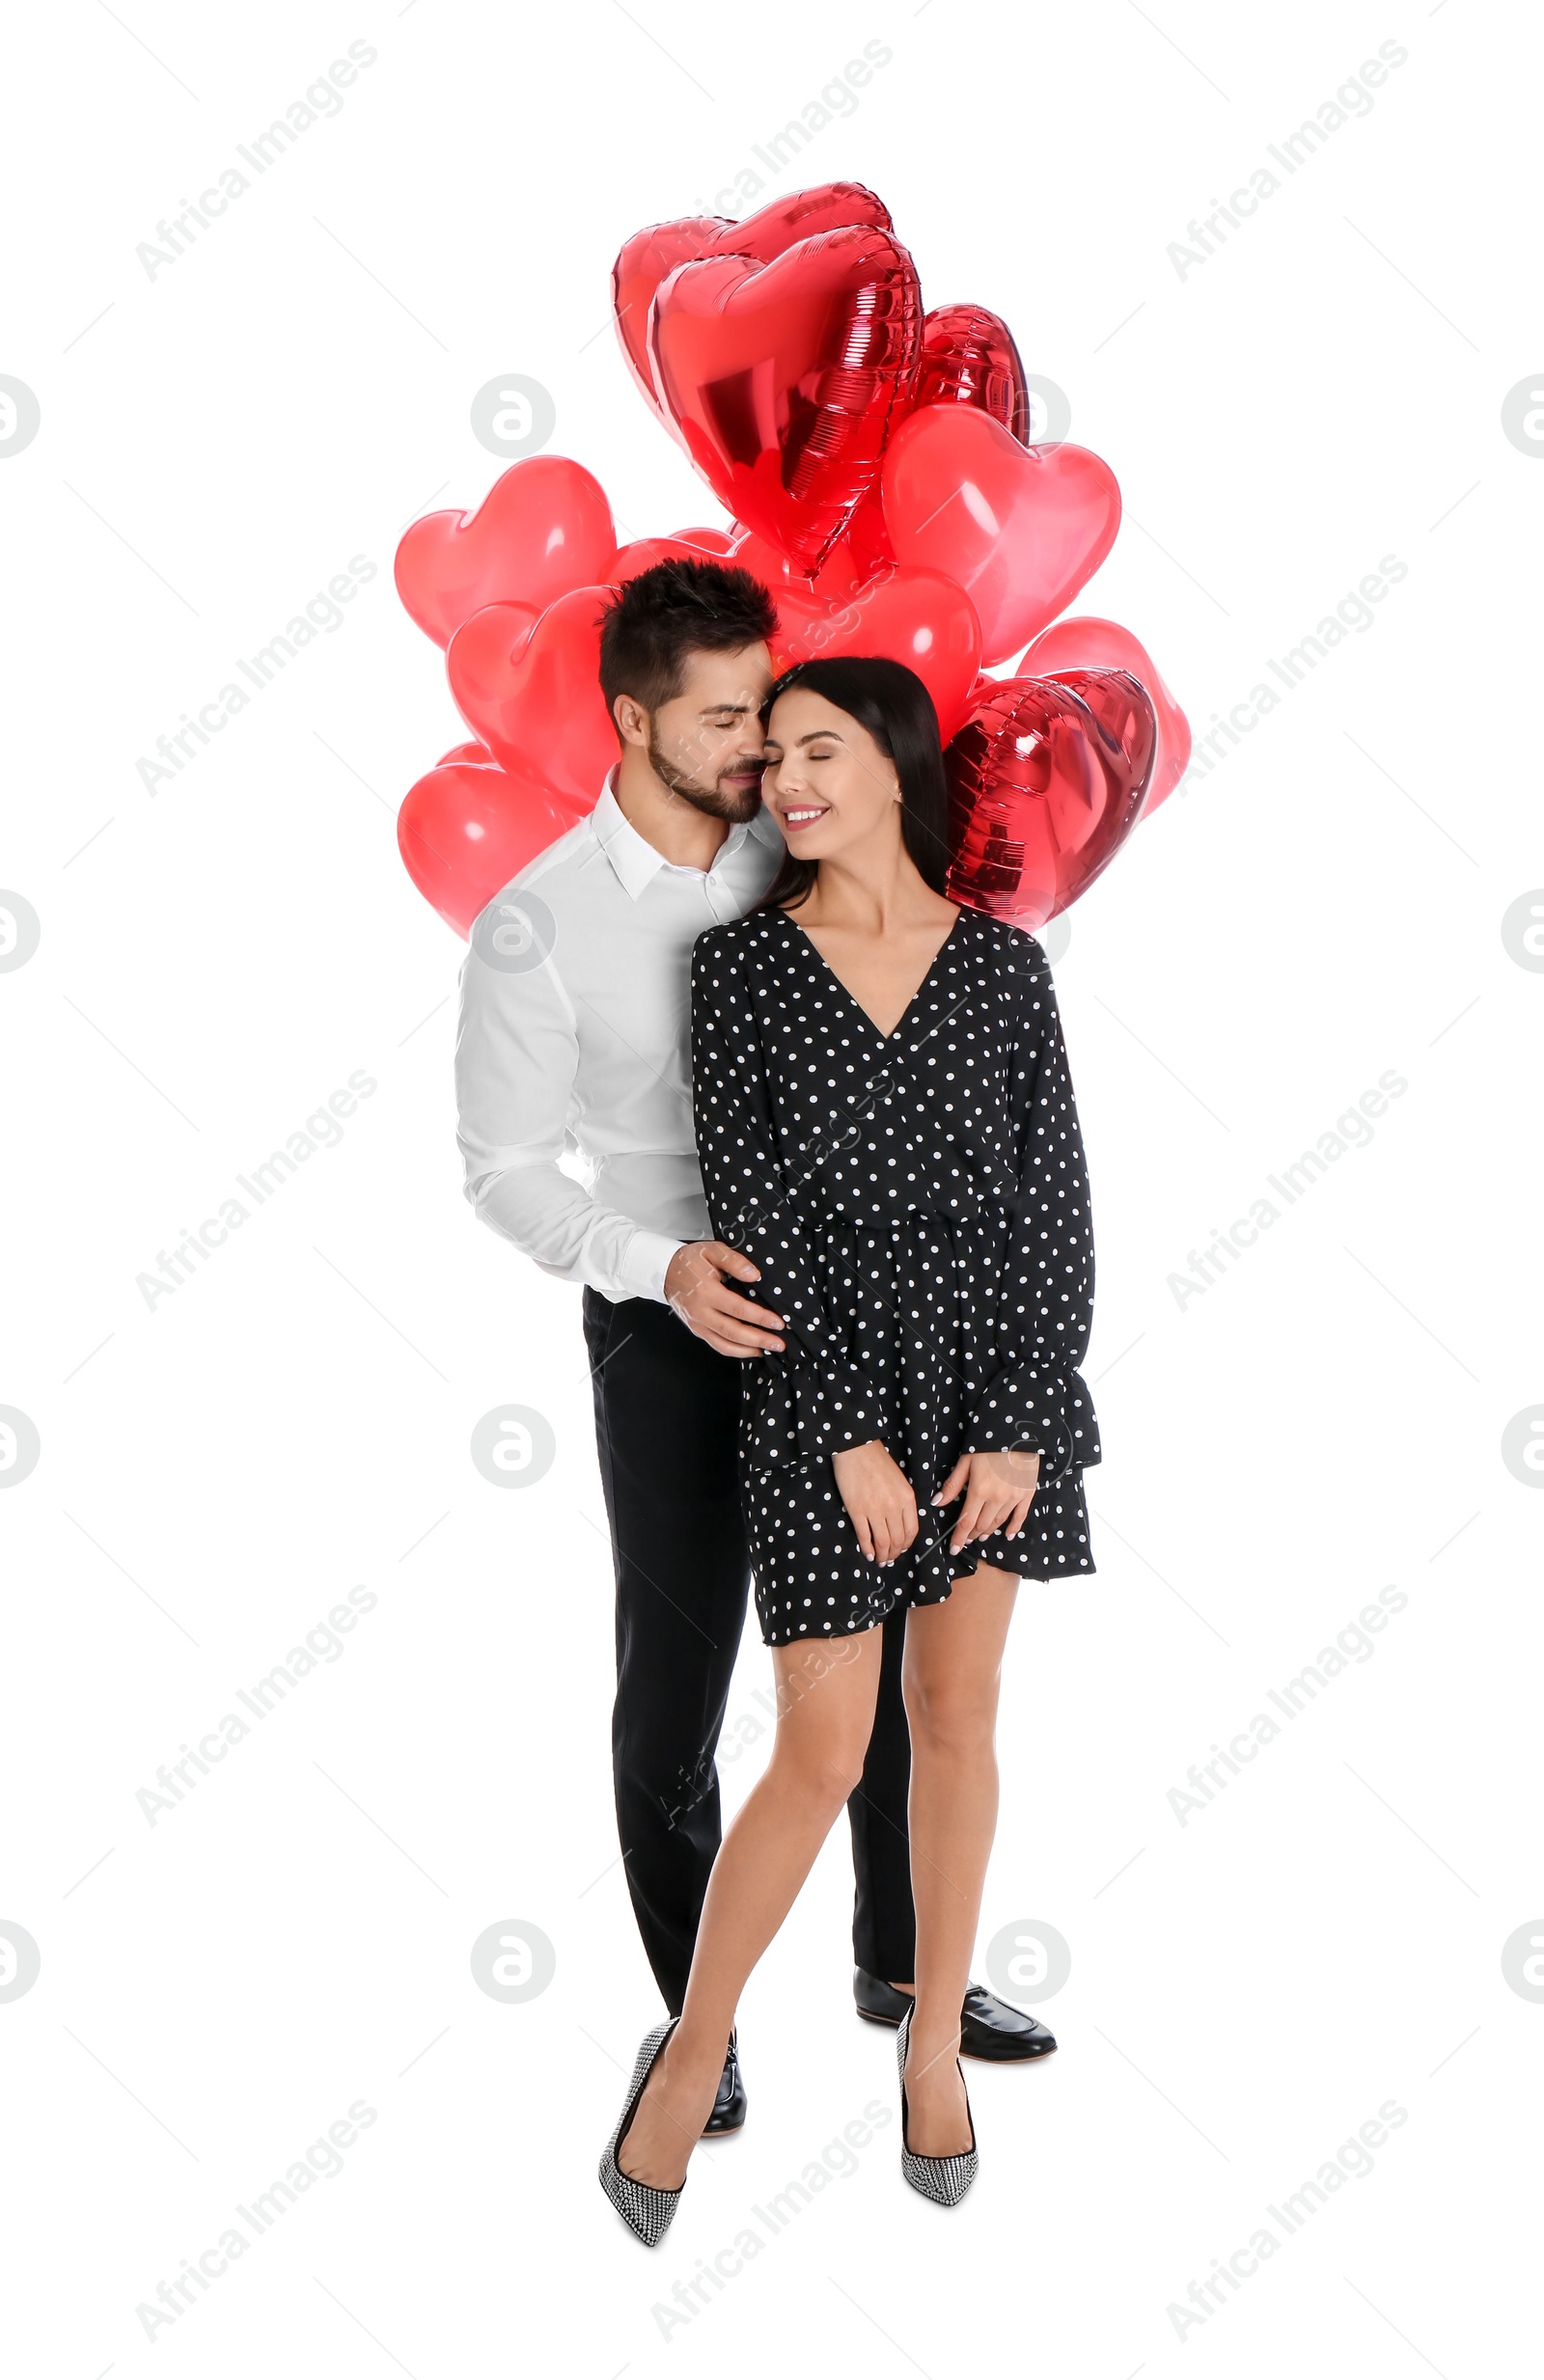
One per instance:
(827, 783)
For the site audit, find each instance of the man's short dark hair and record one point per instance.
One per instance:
(675, 609)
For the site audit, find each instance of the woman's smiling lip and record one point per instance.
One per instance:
(802, 814)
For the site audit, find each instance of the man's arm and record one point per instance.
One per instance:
(516, 1056)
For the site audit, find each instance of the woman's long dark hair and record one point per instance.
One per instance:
(896, 707)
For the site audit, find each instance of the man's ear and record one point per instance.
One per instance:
(631, 720)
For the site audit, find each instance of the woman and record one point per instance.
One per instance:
(886, 1128)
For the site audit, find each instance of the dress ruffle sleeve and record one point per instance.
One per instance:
(1038, 1401)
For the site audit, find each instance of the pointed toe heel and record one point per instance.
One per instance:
(944, 2181)
(646, 2212)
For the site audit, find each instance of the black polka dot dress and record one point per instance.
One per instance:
(917, 1204)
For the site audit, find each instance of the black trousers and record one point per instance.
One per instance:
(666, 1421)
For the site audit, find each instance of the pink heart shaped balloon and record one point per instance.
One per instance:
(1021, 527)
(542, 528)
(917, 617)
(836, 578)
(686, 546)
(465, 829)
(532, 692)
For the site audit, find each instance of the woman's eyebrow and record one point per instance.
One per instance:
(819, 735)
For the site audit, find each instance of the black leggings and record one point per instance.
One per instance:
(667, 1420)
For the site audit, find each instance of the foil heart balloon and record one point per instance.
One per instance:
(543, 526)
(466, 828)
(1046, 781)
(651, 256)
(1021, 529)
(1092, 643)
(917, 617)
(533, 694)
(783, 378)
(969, 358)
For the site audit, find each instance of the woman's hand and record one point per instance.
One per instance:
(999, 1490)
(878, 1497)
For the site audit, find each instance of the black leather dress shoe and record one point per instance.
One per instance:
(990, 2027)
(729, 2108)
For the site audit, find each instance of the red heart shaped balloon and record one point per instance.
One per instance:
(686, 546)
(969, 358)
(847, 566)
(1021, 529)
(917, 617)
(783, 378)
(1046, 781)
(496, 645)
(836, 577)
(651, 256)
(465, 829)
(541, 529)
(868, 540)
(533, 695)
(1089, 643)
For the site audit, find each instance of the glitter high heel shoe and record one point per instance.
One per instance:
(646, 2212)
(943, 2180)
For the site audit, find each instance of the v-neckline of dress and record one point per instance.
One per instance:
(852, 997)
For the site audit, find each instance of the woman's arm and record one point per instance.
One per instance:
(1038, 1402)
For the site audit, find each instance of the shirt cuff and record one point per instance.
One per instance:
(643, 1263)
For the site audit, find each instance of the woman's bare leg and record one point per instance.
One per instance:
(950, 1678)
(826, 1695)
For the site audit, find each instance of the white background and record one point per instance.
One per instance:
(1247, 1988)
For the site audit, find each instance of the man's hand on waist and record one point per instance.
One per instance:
(697, 1284)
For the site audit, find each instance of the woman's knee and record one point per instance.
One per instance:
(824, 1763)
(950, 1717)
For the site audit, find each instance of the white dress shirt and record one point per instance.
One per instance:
(575, 1038)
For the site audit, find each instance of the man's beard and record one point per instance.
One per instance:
(737, 802)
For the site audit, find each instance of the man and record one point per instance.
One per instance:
(574, 1036)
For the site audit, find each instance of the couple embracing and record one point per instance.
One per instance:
(838, 1277)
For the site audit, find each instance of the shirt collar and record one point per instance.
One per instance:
(635, 861)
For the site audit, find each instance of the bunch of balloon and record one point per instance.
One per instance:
(876, 463)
